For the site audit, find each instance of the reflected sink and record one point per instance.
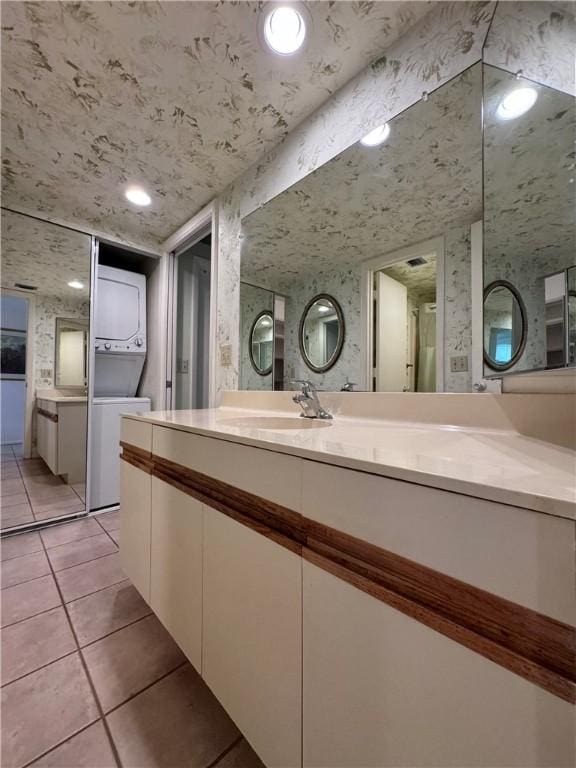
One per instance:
(275, 422)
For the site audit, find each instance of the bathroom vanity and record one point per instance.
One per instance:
(354, 591)
(61, 433)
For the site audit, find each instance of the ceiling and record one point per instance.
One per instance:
(178, 96)
(370, 201)
(419, 280)
(44, 255)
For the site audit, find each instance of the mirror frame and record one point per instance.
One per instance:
(267, 371)
(518, 354)
(340, 343)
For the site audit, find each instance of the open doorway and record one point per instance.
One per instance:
(13, 389)
(403, 308)
(405, 326)
(192, 343)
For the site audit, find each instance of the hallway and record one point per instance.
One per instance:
(90, 677)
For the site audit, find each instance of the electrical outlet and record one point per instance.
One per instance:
(459, 364)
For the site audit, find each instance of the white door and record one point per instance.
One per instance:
(391, 334)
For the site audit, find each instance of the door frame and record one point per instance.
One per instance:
(30, 366)
(369, 268)
(185, 237)
(479, 382)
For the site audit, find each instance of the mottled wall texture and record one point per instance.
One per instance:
(47, 309)
(444, 43)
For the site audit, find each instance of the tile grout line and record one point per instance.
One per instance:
(114, 631)
(223, 754)
(33, 616)
(74, 541)
(85, 667)
(42, 666)
(84, 562)
(101, 589)
(147, 687)
(60, 743)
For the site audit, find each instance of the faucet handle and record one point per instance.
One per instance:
(304, 383)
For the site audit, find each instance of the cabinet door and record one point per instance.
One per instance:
(381, 689)
(135, 523)
(176, 567)
(252, 635)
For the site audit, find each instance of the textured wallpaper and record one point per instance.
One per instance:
(47, 309)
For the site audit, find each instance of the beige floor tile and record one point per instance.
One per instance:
(24, 568)
(25, 600)
(98, 615)
(62, 534)
(176, 722)
(115, 535)
(76, 552)
(124, 663)
(88, 749)
(13, 500)
(110, 521)
(15, 522)
(89, 577)
(35, 642)
(240, 756)
(11, 485)
(44, 494)
(43, 709)
(20, 544)
(50, 509)
(9, 469)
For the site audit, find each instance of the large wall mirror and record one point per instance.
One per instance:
(530, 214)
(45, 324)
(384, 229)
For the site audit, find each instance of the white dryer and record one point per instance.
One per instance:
(120, 332)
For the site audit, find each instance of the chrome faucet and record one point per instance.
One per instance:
(308, 400)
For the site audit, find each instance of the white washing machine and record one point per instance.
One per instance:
(105, 443)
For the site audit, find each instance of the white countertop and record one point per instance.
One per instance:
(63, 398)
(498, 465)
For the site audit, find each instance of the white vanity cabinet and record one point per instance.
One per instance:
(61, 436)
(349, 620)
(176, 566)
(381, 690)
(252, 639)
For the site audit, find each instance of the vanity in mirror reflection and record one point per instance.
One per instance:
(321, 333)
(45, 325)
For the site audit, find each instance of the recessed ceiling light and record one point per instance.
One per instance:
(284, 30)
(138, 196)
(517, 103)
(76, 284)
(377, 136)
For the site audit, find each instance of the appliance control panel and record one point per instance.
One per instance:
(133, 345)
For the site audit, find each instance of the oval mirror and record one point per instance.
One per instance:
(504, 325)
(261, 343)
(321, 333)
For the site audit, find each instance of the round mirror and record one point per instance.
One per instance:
(504, 325)
(321, 333)
(261, 343)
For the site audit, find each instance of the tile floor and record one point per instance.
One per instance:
(29, 491)
(90, 678)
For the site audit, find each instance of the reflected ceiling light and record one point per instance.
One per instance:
(266, 322)
(76, 284)
(137, 196)
(517, 103)
(322, 308)
(377, 136)
(284, 30)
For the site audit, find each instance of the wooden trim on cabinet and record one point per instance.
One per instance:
(47, 415)
(530, 644)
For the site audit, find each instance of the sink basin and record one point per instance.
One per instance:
(276, 422)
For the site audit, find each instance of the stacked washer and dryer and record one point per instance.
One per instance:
(120, 354)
